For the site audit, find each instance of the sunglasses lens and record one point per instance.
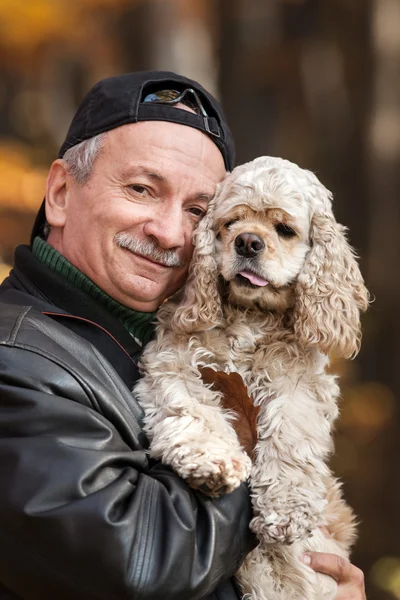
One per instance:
(188, 97)
(163, 96)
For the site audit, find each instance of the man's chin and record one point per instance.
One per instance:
(143, 294)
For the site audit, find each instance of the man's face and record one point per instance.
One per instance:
(148, 189)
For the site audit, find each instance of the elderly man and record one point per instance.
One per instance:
(83, 512)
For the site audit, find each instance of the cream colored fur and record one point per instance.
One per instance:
(277, 337)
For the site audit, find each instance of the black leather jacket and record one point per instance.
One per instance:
(84, 514)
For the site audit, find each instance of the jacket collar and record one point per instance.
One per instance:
(31, 283)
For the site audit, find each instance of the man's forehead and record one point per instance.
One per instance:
(163, 134)
(150, 146)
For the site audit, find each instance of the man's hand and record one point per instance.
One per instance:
(349, 578)
(236, 398)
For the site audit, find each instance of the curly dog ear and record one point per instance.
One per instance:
(201, 307)
(330, 289)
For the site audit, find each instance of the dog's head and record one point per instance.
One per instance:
(262, 226)
(271, 238)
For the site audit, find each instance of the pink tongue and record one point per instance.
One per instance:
(253, 278)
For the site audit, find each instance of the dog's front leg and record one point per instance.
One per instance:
(189, 431)
(287, 576)
(288, 476)
(288, 503)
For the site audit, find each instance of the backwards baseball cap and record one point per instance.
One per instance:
(145, 96)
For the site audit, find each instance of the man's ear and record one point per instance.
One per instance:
(56, 194)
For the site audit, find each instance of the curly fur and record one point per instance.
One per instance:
(270, 307)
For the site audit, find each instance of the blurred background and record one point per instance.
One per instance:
(317, 82)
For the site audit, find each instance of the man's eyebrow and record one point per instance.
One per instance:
(138, 170)
(202, 196)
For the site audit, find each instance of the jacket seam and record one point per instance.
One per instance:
(145, 525)
(16, 327)
(149, 544)
(101, 358)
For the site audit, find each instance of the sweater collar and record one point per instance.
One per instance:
(140, 325)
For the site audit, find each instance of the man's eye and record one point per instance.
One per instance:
(284, 230)
(197, 212)
(139, 189)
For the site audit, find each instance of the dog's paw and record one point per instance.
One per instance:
(284, 527)
(214, 472)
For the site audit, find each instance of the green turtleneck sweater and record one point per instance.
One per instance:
(139, 324)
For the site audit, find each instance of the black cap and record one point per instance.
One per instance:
(117, 101)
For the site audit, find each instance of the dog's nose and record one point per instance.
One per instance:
(248, 244)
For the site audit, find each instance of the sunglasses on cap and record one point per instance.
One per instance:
(172, 97)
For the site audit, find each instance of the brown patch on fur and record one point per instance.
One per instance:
(341, 522)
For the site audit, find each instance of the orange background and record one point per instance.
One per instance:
(315, 82)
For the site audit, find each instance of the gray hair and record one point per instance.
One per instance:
(80, 158)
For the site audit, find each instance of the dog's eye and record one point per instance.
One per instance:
(285, 230)
(229, 223)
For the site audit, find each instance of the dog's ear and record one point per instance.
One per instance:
(330, 291)
(200, 307)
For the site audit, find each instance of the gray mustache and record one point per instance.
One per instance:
(149, 249)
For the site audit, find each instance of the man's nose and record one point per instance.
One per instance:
(167, 227)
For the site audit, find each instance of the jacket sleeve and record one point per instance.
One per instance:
(84, 516)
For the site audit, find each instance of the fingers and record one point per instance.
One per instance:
(337, 567)
(349, 578)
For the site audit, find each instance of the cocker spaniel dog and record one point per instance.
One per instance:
(274, 288)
